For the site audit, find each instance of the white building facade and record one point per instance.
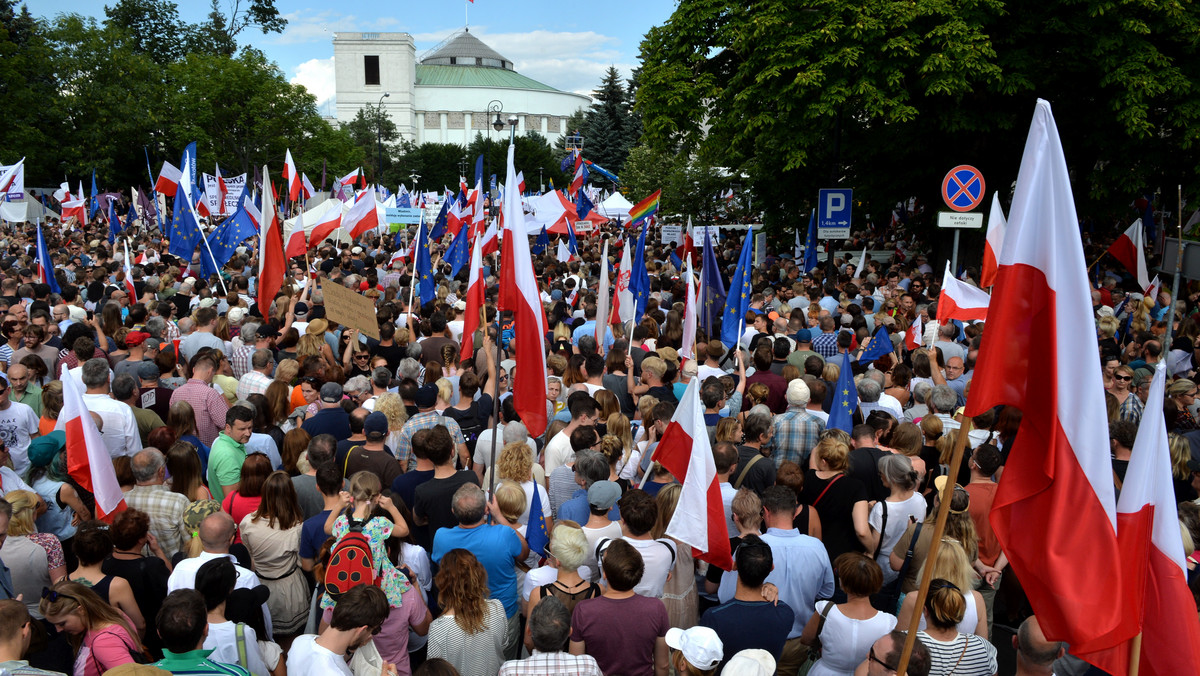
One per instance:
(444, 97)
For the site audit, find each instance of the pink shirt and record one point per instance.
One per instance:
(102, 650)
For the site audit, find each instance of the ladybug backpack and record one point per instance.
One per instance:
(350, 562)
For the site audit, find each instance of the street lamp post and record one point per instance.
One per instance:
(379, 136)
(495, 107)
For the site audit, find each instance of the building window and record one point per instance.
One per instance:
(453, 61)
(371, 66)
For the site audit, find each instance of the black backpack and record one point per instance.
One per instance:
(470, 422)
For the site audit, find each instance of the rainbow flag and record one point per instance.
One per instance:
(645, 209)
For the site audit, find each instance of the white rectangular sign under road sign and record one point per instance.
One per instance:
(968, 220)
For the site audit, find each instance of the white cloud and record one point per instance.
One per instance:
(317, 76)
(310, 27)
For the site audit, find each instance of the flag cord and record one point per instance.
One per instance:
(939, 528)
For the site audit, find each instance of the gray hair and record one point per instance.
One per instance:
(549, 625)
(357, 384)
(951, 331)
(515, 432)
(942, 399)
(124, 387)
(868, 390)
(469, 504)
(95, 373)
(156, 326)
(146, 463)
(592, 466)
(249, 332)
(898, 471)
(760, 409)
(414, 351)
(921, 391)
(409, 368)
(876, 375)
(261, 358)
(381, 377)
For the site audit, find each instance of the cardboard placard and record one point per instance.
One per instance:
(350, 309)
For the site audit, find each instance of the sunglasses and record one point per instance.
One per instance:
(878, 661)
(53, 596)
(1123, 378)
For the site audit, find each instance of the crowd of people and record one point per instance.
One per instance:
(300, 498)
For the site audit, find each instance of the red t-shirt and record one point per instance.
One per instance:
(238, 506)
(982, 496)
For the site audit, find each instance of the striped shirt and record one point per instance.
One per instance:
(965, 655)
(195, 662)
(825, 345)
(424, 421)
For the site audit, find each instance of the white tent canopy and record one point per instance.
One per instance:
(616, 206)
(25, 211)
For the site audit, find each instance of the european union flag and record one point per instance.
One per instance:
(573, 244)
(810, 245)
(94, 200)
(540, 244)
(479, 171)
(845, 400)
(185, 228)
(458, 254)
(879, 347)
(404, 201)
(583, 205)
(225, 239)
(440, 223)
(535, 533)
(424, 265)
(738, 300)
(639, 279)
(114, 223)
(711, 285)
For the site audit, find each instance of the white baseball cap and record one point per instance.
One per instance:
(700, 646)
(750, 662)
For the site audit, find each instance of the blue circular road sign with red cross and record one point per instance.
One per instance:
(963, 188)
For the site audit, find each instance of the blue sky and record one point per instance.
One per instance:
(567, 51)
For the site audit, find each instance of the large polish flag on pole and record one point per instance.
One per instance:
(519, 292)
(1130, 249)
(1148, 530)
(622, 310)
(88, 461)
(699, 519)
(1057, 492)
(270, 250)
(688, 348)
(995, 241)
(961, 301)
(474, 298)
(602, 299)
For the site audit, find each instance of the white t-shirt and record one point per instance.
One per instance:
(899, 515)
(658, 557)
(456, 329)
(18, 424)
(558, 452)
(306, 658)
(704, 372)
(222, 641)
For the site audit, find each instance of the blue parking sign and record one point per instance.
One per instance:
(833, 213)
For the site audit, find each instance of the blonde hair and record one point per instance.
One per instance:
(444, 388)
(747, 506)
(1181, 452)
(831, 372)
(391, 405)
(833, 452)
(654, 365)
(951, 564)
(287, 370)
(569, 545)
(668, 500)
(619, 427)
(24, 512)
(515, 462)
(510, 497)
(365, 486)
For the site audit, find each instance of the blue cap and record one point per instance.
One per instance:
(804, 336)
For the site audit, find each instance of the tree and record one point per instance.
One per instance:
(28, 93)
(369, 126)
(153, 26)
(689, 189)
(609, 125)
(887, 97)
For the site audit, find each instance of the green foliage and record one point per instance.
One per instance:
(152, 26)
(689, 188)
(370, 127)
(887, 96)
(27, 93)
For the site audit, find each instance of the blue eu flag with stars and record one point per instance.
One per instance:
(845, 399)
(639, 279)
(535, 533)
(879, 347)
(738, 300)
(424, 265)
(810, 244)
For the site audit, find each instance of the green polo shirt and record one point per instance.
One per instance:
(196, 662)
(32, 398)
(225, 461)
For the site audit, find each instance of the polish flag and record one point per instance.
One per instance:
(168, 180)
(862, 259)
(521, 181)
(519, 293)
(309, 190)
(457, 216)
(142, 259)
(688, 348)
(296, 245)
(326, 225)
(270, 251)
(362, 216)
(223, 191)
(995, 242)
(490, 239)
(1130, 249)
(1148, 523)
(914, 334)
(76, 208)
(474, 301)
(291, 176)
(63, 193)
(1153, 289)
(684, 450)
(130, 289)
(88, 461)
(602, 299)
(10, 176)
(1057, 492)
(623, 297)
(961, 301)
(577, 179)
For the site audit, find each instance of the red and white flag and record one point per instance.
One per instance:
(623, 297)
(1153, 289)
(88, 462)
(271, 263)
(490, 239)
(521, 181)
(291, 176)
(130, 289)
(1130, 249)
(362, 216)
(961, 301)
(76, 208)
(519, 293)
(858, 267)
(602, 299)
(296, 244)
(13, 175)
(309, 190)
(688, 348)
(222, 191)
(577, 179)
(915, 334)
(1148, 530)
(1040, 355)
(326, 225)
(168, 180)
(684, 450)
(474, 300)
(995, 241)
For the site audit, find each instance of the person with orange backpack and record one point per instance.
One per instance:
(359, 556)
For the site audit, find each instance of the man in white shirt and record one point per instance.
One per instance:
(639, 511)
(120, 431)
(584, 411)
(358, 615)
(18, 425)
(216, 535)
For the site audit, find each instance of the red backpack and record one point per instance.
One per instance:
(350, 562)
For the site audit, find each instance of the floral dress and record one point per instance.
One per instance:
(393, 582)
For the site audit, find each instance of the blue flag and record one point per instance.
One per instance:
(185, 228)
(639, 279)
(479, 171)
(573, 244)
(440, 223)
(226, 238)
(845, 400)
(404, 201)
(712, 285)
(879, 347)
(94, 200)
(46, 272)
(583, 205)
(459, 253)
(535, 534)
(567, 163)
(810, 245)
(424, 265)
(114, 223)
(738, 300)
(540, 244)
(130, 216)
